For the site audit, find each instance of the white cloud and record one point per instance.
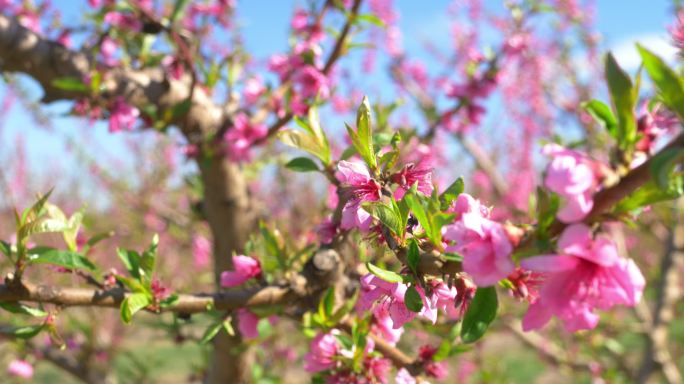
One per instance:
(626, 54)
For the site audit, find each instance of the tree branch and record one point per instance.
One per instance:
(657, 352)
(24, 51)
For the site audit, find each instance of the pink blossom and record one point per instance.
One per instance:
(378, 369)
(174, 66)
(280, 64)
(653, 124)
(122, 20)
(122, 116)
(326, 231)
(383, 326)
(586, 274)
(677, 33)
(483, 243)
(322, 351)
(241, 136)
(432, 368)
(245, 268)
(247, 324)
(404, 377)
(20, 368)
(358, 187)
(300, 20)
(410, 175)
(388, 296)
(201, 251)
(570, 175)
(64, 38)
(108, 49)
(310, 82)
(254, 88)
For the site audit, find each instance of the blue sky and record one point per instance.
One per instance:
(265, 24)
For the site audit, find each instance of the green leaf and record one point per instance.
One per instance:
(302, 164)
(211, 332)
(148, 259)
(131, 261)
(452, 256)
(363, 137)
(443, 351)
(412, 299)
(413, 255)
(371, 19)
(66, 259)
(666, 80)
(25, 332)
(308, 143)
(388, 276)
(70, 84)
(6, 248)
(623, 98)
(603, 115)
(181, 109)
(178, 10)
(650, 193)
(419, 211)
(327, 304)
(96, 239)
(480, 314)
(22, 309)
(132, 304)
(547, 207)
(387, 216)
(228, 326)
(451, 193)
(662, 165)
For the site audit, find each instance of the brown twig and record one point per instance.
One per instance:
(656, 353)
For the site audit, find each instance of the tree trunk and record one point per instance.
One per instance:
(227, 209)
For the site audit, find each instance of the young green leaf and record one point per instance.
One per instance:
(6, 248)
(623, 98)
(662, 165)
(650, 193)
(363, 138)
(666, 80)
(132, 304)
(480, 314)
(211, 332)
(308, 143)
(66, 259)
(412, 299)
(387, 216)
(70, 84)
(21, 309)
(451, 193)
(302, 164)
(603, 115)
(413, 255)
(388, 276)
(25, 332)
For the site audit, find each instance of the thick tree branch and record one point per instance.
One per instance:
(24, 51)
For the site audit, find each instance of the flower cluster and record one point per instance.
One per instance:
(483, 242)
(241, 137)
(328, 354)
(586, 274)
(574, 176)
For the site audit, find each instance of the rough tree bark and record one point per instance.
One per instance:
(227, 209)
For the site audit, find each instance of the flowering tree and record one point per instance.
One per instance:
(375, 260)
